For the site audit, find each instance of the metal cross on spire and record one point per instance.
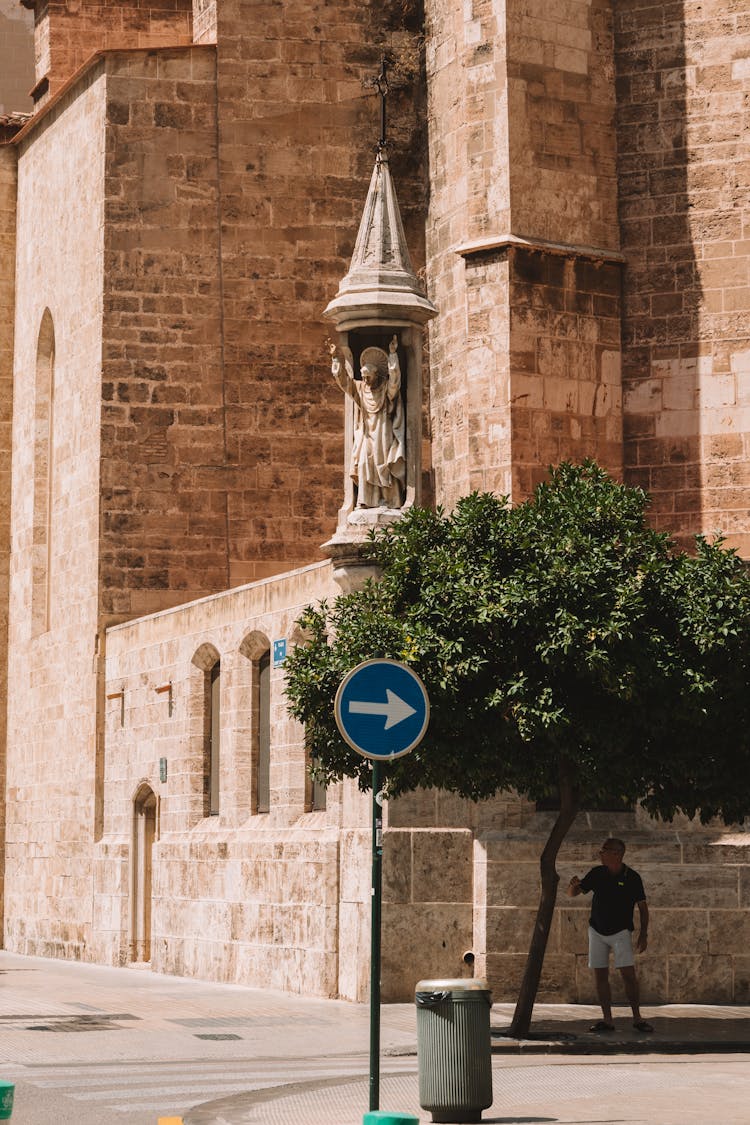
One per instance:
(381, 84)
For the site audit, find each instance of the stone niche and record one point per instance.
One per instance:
(379, 300)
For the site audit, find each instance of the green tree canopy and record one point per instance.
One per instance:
(564, 630)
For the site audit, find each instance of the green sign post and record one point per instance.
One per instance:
(382, 711)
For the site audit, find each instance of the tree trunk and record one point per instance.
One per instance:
(521, 1022)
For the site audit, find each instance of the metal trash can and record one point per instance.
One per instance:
(453, 1048)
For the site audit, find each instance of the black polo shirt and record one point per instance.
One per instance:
(614, 898)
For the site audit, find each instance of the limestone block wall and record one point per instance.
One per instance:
(166, 476)
(561, 116)
(696, 884)
(296, 137)
(563, 360)
(16, 57)
(216, 383)
(241, 895)
(427, 907)
(467, 117)
(522, 242)
(682, 76)
(66, 35)
(429, 883)
(8, 185)
(52, 639)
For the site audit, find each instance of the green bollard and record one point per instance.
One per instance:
(386, 1117)
(6, 1100)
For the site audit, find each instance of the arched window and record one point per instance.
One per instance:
(257, 649)
(263, 774)
(214, 738)
(44, 425)
(317, 794)
(207, 661)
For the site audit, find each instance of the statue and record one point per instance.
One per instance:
(378, 458)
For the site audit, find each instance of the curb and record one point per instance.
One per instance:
(654, 1045)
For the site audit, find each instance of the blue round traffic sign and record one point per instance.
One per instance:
(382, 709)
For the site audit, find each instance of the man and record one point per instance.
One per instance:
(617, 889)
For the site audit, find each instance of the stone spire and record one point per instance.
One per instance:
(381, 285)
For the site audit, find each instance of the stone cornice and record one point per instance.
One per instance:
(492, 243)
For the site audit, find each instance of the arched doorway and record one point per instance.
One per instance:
(144, 834)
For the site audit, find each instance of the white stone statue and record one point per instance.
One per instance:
(378, 459)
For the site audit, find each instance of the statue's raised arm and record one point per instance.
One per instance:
(394, 369)
(344, 375)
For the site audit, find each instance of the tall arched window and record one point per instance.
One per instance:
(264, 733)
(214, 738)
(207, 687)
(318, 795)
(257, 649)
(44, 425)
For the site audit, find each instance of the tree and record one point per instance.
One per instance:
(587, 657)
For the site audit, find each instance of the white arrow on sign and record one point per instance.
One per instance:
(395, 710)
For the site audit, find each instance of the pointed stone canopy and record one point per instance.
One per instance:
(381, 286)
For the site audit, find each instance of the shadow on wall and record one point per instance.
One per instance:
(662, 292)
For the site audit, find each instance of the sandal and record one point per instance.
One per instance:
(642, 1025)
(600, 1025)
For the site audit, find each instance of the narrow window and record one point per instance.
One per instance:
(318, 794)
(44, 425)
(214, 737)
(263, 712)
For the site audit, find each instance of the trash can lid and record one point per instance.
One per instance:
(453, 984)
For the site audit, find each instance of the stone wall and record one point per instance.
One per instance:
(696, 883)
(166, 475)
(51, 773)
(522, 242)
(239, 896)
(66, 35)
(564, 362)
(683, 72)
(296, 158)
(8, 185)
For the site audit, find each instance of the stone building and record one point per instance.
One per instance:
(175, 217)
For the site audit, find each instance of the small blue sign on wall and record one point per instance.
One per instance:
(279, 652)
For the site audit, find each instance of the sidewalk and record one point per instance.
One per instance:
(548, 1079)
(235, 1055)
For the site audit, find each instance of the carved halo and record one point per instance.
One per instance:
(375, 357)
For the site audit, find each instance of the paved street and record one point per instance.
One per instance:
(87, 1045)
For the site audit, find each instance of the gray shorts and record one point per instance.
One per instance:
(620, 943)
